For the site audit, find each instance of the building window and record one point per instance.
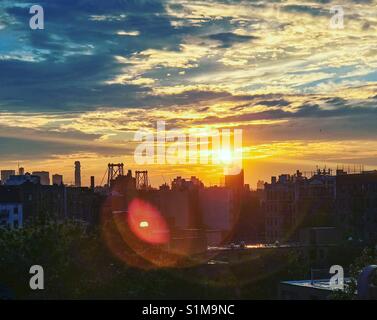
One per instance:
(15, 210)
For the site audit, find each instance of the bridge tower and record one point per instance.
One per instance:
(142, 181)
(114, 171)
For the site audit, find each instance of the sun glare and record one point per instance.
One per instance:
(226, 156)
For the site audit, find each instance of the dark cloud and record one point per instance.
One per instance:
(74, 56)
(309, 110)
(228, 38)
(37, 144)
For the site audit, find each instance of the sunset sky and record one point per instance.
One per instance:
(303, 93)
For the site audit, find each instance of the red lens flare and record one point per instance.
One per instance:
(146, 222)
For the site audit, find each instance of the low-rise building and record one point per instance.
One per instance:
(11, 215)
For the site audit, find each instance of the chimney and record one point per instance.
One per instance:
(92, 184)
(77, 174)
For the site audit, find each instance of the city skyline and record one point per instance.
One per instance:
(156, 181)
(278, 71)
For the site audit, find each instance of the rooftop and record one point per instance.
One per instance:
(322, 284)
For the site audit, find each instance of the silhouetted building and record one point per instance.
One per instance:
(182, 184)
(57, 179)
(5, 174)
(294, 201)
(92, 183)
(77, 174)
(217, 209)
(21, 179)
(235, 182)
(44, 175)
(356, 205)
(11, 209)
(60, 201)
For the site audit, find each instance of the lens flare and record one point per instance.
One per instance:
(147, 223)
(144, 224)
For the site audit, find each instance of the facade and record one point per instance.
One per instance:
(216, 205)
(278, 206)
(11, 208)
(356, 205)
(294, 201)
(180, 208)
(11, 215)
(347, 201)
(217, 210)
(60, 202)
(44, 176)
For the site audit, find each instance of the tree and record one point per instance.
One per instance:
(367, 257)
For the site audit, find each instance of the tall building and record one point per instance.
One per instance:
(92, 183)
(235, 182)
(21, 171)
(57, 179)
(77, 174)
(5, 175)
(216, 207)
(44, 175)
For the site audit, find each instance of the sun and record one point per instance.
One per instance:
(226, 156)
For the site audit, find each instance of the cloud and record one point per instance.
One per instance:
(228, 38)
(102, 69)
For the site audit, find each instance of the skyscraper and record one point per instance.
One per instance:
(77, 174)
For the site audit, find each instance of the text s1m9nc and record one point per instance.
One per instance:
(199, 309)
